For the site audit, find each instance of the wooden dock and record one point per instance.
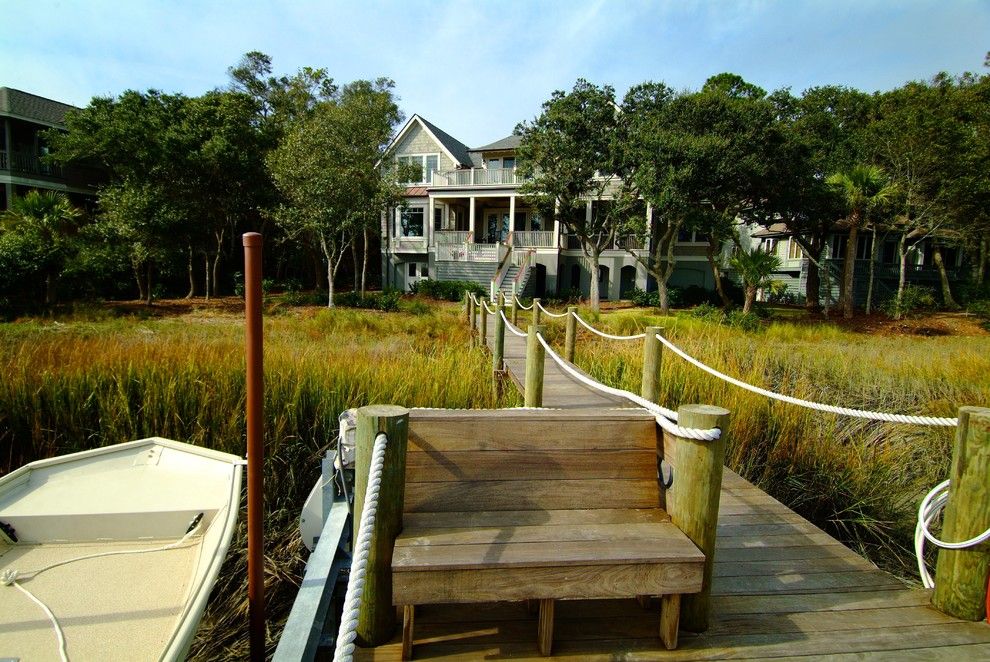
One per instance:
(783, 589)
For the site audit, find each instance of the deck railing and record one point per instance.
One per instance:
(533, 239)
(477, 177)
(469, 252)
(28, 163)
(445, 237)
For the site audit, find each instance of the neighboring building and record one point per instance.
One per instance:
(465, 220)
(22, 147)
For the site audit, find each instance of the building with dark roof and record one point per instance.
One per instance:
(25, 118)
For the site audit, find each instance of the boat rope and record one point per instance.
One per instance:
(549, 314)
(665, 417)
(519, 304)
(638, 336)
(13, 577)
(344, 651)
(931, 506)
(845, 411)
(510, 327)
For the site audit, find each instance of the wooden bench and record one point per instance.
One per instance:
(537, 505)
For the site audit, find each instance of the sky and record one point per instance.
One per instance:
(478, 68)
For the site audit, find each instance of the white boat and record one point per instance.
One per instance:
(110, 554)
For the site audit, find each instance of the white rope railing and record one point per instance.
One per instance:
(665, 417)
(490, 311)
(510, 326)
(638, 336)
(344, 651)
(833, 409)
(549, 314)
(519, 304)
(930, 508)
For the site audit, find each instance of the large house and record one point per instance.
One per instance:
(465, 220)
(22, 148)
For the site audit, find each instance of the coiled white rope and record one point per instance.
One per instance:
(845, 411)
(344, 651)
(665, 417)
(13, 577)
(519, 304)
(509, 325)
(638, 336)
(549, 314)
(931, 506)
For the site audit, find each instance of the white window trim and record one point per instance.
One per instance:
(422, 157)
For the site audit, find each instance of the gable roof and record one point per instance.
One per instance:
(31, 107)
(454, 148)
(509, 142)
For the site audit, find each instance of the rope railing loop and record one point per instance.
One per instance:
(931, 506)
(832, 409)
(490, 311)
(520, 306)
(549, 314)
(346, 635)
(665, 417)
(638, 336)
(510, 326)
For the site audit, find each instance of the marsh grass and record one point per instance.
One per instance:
(84, 383)
(860, 480)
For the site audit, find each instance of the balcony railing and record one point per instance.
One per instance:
(469, 253)
(477, 177)
(447, 237)
(618, 244)
(26, 163)
(532, 239)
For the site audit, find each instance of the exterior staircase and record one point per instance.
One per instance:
(523, 285)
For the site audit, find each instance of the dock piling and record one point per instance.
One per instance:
(961, 575)
(571, 335)
(536, 311)
(535, 357)
(652, 353)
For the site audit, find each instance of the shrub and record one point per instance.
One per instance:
(417, 307)
(446, 290)
(709, 313)
(297, 298)
(745, 321)
(386, 301)
(916, 299)
(652, 299)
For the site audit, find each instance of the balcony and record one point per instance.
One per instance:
(26, 163)
(532, 239)
(477, 177)
(449, 237)
(493, 253)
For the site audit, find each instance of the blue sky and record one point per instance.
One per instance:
(477, 68)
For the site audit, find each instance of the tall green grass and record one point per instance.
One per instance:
(860, 480)
(80, 384)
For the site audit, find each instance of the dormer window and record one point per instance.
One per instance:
(427, 164)
(507, 162)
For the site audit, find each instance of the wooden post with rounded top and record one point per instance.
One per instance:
(571, 335)
(536, 312)
(255, 443)
(467, 306)
(693, 498)
(376, 620)
(961, 575)
(515, 311)
(652, 352)
(498, 346)
(483, 323)
(535, 356)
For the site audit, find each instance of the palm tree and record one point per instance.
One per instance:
(756, 268)
(863, 187)
(50, 220)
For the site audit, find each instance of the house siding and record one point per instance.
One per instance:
(418, 141)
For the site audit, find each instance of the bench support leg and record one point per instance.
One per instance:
(670, 616)
(408, 617)
(644, 601)
(545, 631)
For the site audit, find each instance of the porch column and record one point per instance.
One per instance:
(556, 224)
(474, 236)
(429, 225)
(512, 216)
(587, 214)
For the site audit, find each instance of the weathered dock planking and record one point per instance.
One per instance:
(783, 589)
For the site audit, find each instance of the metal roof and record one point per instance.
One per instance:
(31, 107)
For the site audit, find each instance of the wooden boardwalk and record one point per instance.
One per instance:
(783, 589)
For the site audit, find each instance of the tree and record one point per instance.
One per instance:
(756, 268)
(332, 169)
(569, 153)
(863, 187)
(48, 222)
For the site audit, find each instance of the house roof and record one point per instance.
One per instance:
(415, 191)
(457, 150)
(775, 230)
(31, 107)
(509, 142)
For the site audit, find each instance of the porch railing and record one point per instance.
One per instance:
(27, 163)
(533, 239)
(469, 252)
(445, 237)
(477, 177)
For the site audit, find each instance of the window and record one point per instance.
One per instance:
(519, 224)
(509, 162)
(494, 163)
(689, 237)
(412, 222)
(863, 247)
(437, 218)
(412, 269)
(427, 163)
(794, 251)
(769, 246)
(536, 222)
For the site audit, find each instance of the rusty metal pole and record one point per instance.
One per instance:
(255, 444)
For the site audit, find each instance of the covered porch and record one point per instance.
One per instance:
(489, 219)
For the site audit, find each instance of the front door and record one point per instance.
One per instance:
(498, 226)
